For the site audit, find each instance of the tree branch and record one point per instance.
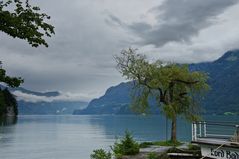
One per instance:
(186, 82)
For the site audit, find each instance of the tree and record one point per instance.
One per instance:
(10, 81)
(6, 98)
(21, 20)
(174, 86)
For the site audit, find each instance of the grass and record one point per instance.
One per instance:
(194, 147)
(160, 143)
(167, 143)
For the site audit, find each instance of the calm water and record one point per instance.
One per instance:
(74, 137)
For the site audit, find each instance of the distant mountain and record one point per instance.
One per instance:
(44, 105)
(115, 101)
(223, 96)
(49, 108)
(224, 82)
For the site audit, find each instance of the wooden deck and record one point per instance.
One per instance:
(217, 142)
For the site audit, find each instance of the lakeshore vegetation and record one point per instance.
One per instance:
(175, 87)
(20, 20)
(24, 21)
(8, 103)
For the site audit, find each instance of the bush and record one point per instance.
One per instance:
(126, 146)
(100, 154)
(193, 147)
(152, 155)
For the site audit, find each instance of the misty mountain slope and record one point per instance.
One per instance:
(49, 108)
(43, 103)
(223, 96)
(47, 94)
(115, 101)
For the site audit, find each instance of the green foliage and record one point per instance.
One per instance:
(174, 86)
(167, 143)
(2, 104)
(10, 81)
(193, 147)
(100, 154)
(21, 20)
(126, 146)
(10, 100)
(146, 144)
(7, 100)
(152, 155)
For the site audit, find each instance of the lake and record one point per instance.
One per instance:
(74, 137)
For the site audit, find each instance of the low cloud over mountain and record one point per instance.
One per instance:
(21, 96)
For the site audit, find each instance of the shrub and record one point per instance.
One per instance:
(193, 147)
(152, 155)
(100, 154)
(126, 146)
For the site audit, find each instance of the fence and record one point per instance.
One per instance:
(223, 131)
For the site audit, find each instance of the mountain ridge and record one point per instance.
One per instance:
(222, 98)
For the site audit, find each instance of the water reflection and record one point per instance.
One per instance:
(7, 128)
(8, 120)
(73, 137)
(144, 128)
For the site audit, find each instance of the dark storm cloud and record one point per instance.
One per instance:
(177, 20)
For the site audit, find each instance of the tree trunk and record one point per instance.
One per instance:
(174, 130)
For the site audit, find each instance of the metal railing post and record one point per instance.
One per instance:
(223, 131)
(237, 133)
(200, 129)
(193, 132)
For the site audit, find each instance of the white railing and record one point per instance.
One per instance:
(215, 130)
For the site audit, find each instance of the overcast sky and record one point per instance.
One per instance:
(79, 60)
